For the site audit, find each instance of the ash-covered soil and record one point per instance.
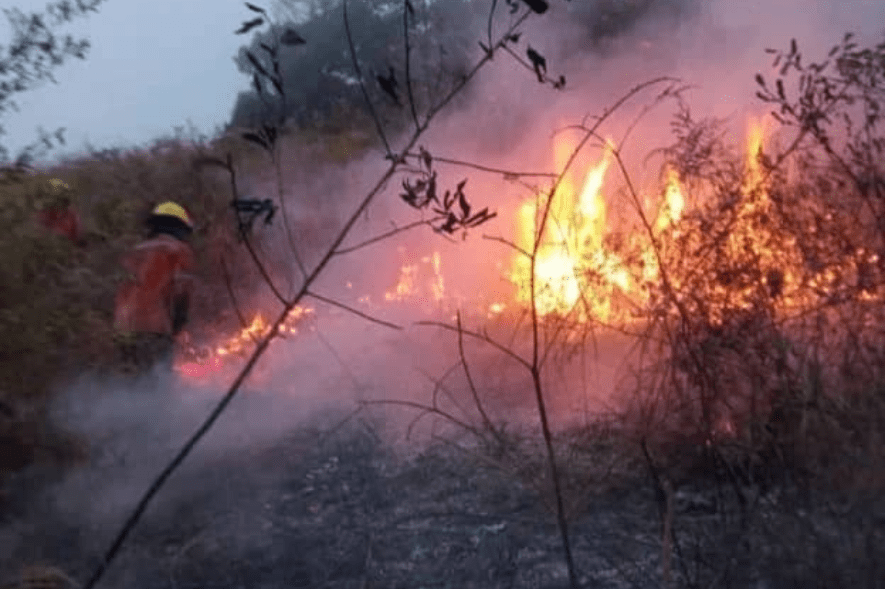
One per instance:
(344, 511)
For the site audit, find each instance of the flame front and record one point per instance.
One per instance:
(198, 362)
(577, 273)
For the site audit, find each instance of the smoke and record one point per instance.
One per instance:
(316, 378)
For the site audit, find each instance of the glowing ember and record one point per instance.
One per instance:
(421, 280)
(199, 362)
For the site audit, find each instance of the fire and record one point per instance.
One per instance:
(588, 268)
(674, 202)
(419, 280)
(198, 362)
(577, 271)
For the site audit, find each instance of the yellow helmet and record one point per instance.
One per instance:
(54, 191)
(172, 209)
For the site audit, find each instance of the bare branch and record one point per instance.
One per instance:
(481, 337)
(234, 302)
(390, 233)
(473, 391)
(472, 73)
(349, 309)
(429, 409)
(264, 273)
(508, 243)
(406, 8)
(508, 174)
(359, 75)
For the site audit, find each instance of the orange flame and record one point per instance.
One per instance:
(198, 363)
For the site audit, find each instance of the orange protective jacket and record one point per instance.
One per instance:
(159, 288)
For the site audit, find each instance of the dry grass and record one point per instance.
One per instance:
(57, 297)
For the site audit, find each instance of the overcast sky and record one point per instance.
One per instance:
(157, 64)
(153, 64)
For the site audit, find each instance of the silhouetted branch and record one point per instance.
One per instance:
(482, 337)
(349, 309)
(390, 233)
(359, 75)
(479, 407)
(233, 298)
(508, 174)
(407, 7)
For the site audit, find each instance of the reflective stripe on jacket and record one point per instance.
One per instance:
(159, 271)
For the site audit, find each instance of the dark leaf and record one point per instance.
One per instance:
(268, 48)
(461, 184)
(257, 64)
(257, 139)
(426, 158)
(431, 189)
(793, 48)
(270, 133)
(249, 25)
(448, 201)
(277, 84)
(780, 89)
(449, 226)
(478, 217)
(538, 6)
(256, 83)
(255, 8)
(485, 49)
(410, 8)
(514, 38)
(389, 86)
(760, 80)
(291, 37)
(538, 62)
(465, 206)
(480, 220)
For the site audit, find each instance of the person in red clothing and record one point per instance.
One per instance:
(56, 213)
(152, 305)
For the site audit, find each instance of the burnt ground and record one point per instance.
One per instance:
(344, 511)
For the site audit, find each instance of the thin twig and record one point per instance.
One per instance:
(349, 309)
(481, 168)
(390, 233)
(359, 75)
(508, 243)
(284, 209)
(264, 273)
(337, 356)
(428, 409)
(472, 73)
(408, 49)
(481, 337)
(473, 391)
(233, 298)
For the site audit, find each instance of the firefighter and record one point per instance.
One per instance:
(152, 305)
(55, 211)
